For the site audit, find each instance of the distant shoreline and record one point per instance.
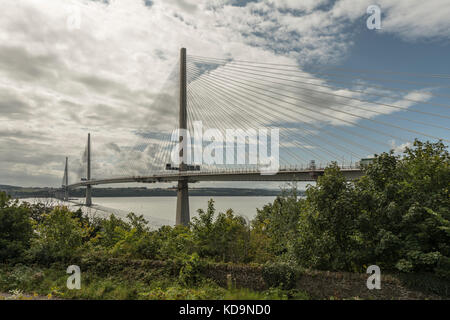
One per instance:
(24, 192)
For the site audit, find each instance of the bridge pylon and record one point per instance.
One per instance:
(182, 215)
(88, 174)
(66, 180)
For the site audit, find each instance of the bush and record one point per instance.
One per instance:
(174, 242)
(59, 237)
(190, 272)
(328, 236)
(110, 232)
(227, 238)
(396, 216)
(275, 226)
(443, 268)
(15, 229)
(405, 223)
(135, 240)
(282, 275)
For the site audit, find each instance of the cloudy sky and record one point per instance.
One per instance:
(69, 67)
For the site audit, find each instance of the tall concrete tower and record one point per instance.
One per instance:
(88, 176)
(183, 216)
(66, 180)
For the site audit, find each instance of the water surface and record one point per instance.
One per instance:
(161, 210)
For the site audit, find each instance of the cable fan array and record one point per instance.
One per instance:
(333, 115)
(325, 115)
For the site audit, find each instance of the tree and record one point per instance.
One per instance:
(396, 216)
(174, 242)
(59, 237)
(226, 238)
(405, 224)
(327, 234)
(276, 226)
(135, 240)
(15, 229)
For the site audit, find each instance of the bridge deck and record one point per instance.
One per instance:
(193, 176)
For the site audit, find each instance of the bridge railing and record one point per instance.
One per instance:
(224, 171)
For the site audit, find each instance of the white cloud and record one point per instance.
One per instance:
(110, 76)
(399, 149)
(409, 19)
(304, 5)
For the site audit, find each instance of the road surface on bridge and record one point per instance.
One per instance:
(244, 175)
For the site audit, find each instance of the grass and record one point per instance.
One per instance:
(51, 282)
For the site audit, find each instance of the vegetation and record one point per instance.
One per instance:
(50, 282)
(15, 229)
(396, 216)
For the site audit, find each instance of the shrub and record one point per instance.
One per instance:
(111, 231)
(328, 235)
(282, 275)
(174, 242)
(190, 272)
(227, 238)
(275, 226)
(15, 229)
(396, 216)
(59, 237)
(443, 268)
(135, 241)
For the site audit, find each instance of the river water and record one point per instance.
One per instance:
(161, 210)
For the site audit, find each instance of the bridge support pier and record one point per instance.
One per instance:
(88, 196)
(66, 181)
(88, 176)
(183, 216)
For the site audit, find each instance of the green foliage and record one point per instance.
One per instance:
(130, 239)
(15, 229)
(110, 231)
(283, 275)
(190, 272)
(275, 227)
(59, 237)
(183, 293)
(174, 242)
(443, 267)
(396, 216)
(134, 240)
(327, 236)
(37, 210)
(406, 218)
(227, 238)
(15, 277)
(51, 282)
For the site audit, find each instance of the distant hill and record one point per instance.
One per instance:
(7, 187)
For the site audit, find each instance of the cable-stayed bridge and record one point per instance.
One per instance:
(330, 115)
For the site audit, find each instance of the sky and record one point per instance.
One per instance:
(109, 68)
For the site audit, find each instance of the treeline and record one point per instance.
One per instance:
(396, 216)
